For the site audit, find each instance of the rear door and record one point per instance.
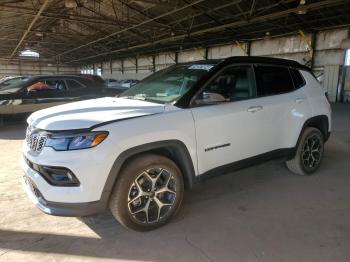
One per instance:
(285, 107)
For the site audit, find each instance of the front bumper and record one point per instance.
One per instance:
(57, 208)
(91, 167)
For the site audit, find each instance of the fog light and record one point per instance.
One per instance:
(63, 177)
(59, 176)
(56, 176)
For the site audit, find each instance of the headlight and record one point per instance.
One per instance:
(62, 142)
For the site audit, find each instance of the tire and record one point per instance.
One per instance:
(161, 197)
(309, 155)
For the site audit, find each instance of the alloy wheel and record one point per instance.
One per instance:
(312, 152)
(152, 195)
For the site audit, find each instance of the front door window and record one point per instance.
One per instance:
(233, 84)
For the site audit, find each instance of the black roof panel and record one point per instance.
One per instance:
(265, 60)
(252, 60)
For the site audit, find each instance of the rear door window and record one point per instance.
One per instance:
(73, 84)
(273, 80)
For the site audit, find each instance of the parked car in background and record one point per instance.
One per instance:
(112, 83)
(129, 83)
(38, 92)
(95, 78)
(6, 77)
(122, 84)
(11, 80)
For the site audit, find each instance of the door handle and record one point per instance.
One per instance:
(299, 100)
(254, 109)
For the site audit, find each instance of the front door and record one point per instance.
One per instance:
(228, 119)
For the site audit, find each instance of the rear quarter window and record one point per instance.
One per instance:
(298, 79)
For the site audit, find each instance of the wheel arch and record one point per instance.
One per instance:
(320, 122)
(173, 149)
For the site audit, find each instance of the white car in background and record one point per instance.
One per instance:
(137, 153)
(121, 84)
(129, 83)
(111, 82)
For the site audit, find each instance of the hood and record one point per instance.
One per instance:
(88, 113)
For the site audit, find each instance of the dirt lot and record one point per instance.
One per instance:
(263, 213)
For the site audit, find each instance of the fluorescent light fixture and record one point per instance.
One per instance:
(29, 53)
(347, 58)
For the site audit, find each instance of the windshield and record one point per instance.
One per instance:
(167, 85)
(12, 85)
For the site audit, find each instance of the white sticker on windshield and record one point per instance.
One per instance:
(201, 67)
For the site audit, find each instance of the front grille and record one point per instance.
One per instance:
(35, 140)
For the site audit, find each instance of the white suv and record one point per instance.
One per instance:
(136, 153)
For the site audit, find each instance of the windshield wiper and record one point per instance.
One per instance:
(135, 97)
(143, 98)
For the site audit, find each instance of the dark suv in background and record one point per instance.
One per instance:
(39, 92)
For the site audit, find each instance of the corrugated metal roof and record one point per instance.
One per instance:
(100, 29)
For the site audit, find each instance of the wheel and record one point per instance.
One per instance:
(148, 192)
(309, 153)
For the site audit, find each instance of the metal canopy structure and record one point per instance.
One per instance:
(87, 31)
